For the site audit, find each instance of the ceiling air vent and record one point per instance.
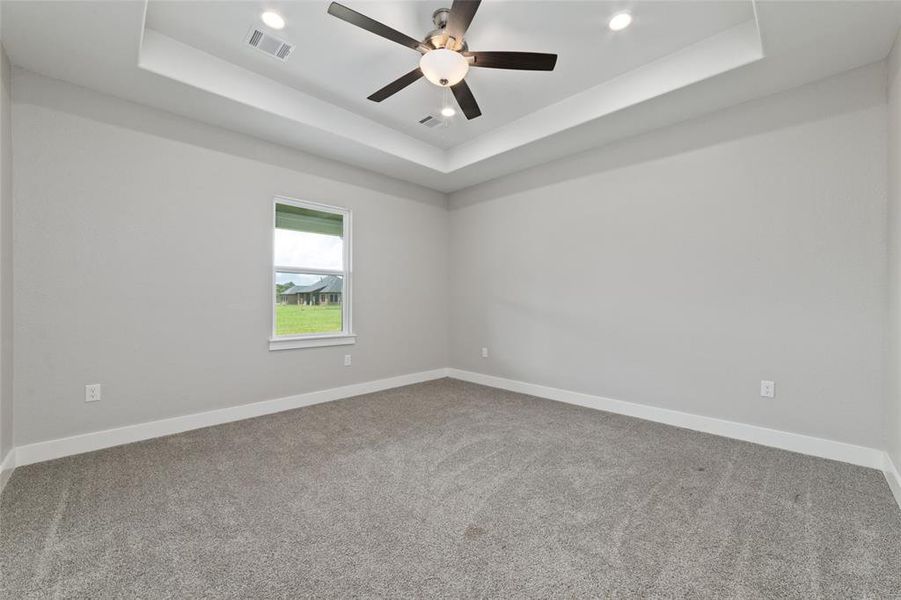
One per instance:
(430, 121)
(269, 44)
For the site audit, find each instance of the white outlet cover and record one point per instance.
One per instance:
(347, 360)
(767, 389)
(92, 392)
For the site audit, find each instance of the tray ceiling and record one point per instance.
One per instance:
(678, 60)
(340, 64)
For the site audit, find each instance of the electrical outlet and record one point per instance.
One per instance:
(484, 352)
(92, 392)
(767, 389)
(347, 360)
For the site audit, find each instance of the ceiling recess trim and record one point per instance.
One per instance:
(185, 64)
(730, 49)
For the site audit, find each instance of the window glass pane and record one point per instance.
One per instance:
(307, 303)
(308, 250)
(307, 238)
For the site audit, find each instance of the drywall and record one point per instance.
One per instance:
(6, 265)
(676, 269)
(143, 257)
(680, 268)
(893, 362)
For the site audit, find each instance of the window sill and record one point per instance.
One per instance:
(311, 341)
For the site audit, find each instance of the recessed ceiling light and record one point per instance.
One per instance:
(273, 20)
(447, 111)
(620, 21)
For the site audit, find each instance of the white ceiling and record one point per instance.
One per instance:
(677, 61)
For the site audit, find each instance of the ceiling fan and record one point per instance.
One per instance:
(446, 57)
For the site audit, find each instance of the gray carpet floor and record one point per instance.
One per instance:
(447, 489)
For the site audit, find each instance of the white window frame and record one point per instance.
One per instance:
(315, 340)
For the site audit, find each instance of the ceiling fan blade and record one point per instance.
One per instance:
(461, 14)
(466, 100)
(396, 85)
(373, 26)
(526, 61)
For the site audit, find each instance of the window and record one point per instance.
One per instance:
(311, 275)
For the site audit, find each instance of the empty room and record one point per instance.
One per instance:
(450, 299)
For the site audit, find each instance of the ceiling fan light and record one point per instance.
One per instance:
(448, 111)
(444, 67)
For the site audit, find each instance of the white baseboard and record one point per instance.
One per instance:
(88, 442)
(7, 465)
(795, 442)
(893, 476)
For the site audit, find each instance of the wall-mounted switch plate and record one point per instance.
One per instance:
(484, 352)
(92, 392)
(767, 389)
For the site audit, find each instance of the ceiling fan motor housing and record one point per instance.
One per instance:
(440, 16)
(438, 37)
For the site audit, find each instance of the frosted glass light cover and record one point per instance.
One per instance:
(444, 67)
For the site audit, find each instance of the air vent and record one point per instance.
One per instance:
(269, 44)
(430, 121)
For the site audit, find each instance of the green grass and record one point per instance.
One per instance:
(293, 319)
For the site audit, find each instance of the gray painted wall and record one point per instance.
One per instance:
(6, 262)
(680, 268)
(893, 397)
(675, 269)
(126, 218)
